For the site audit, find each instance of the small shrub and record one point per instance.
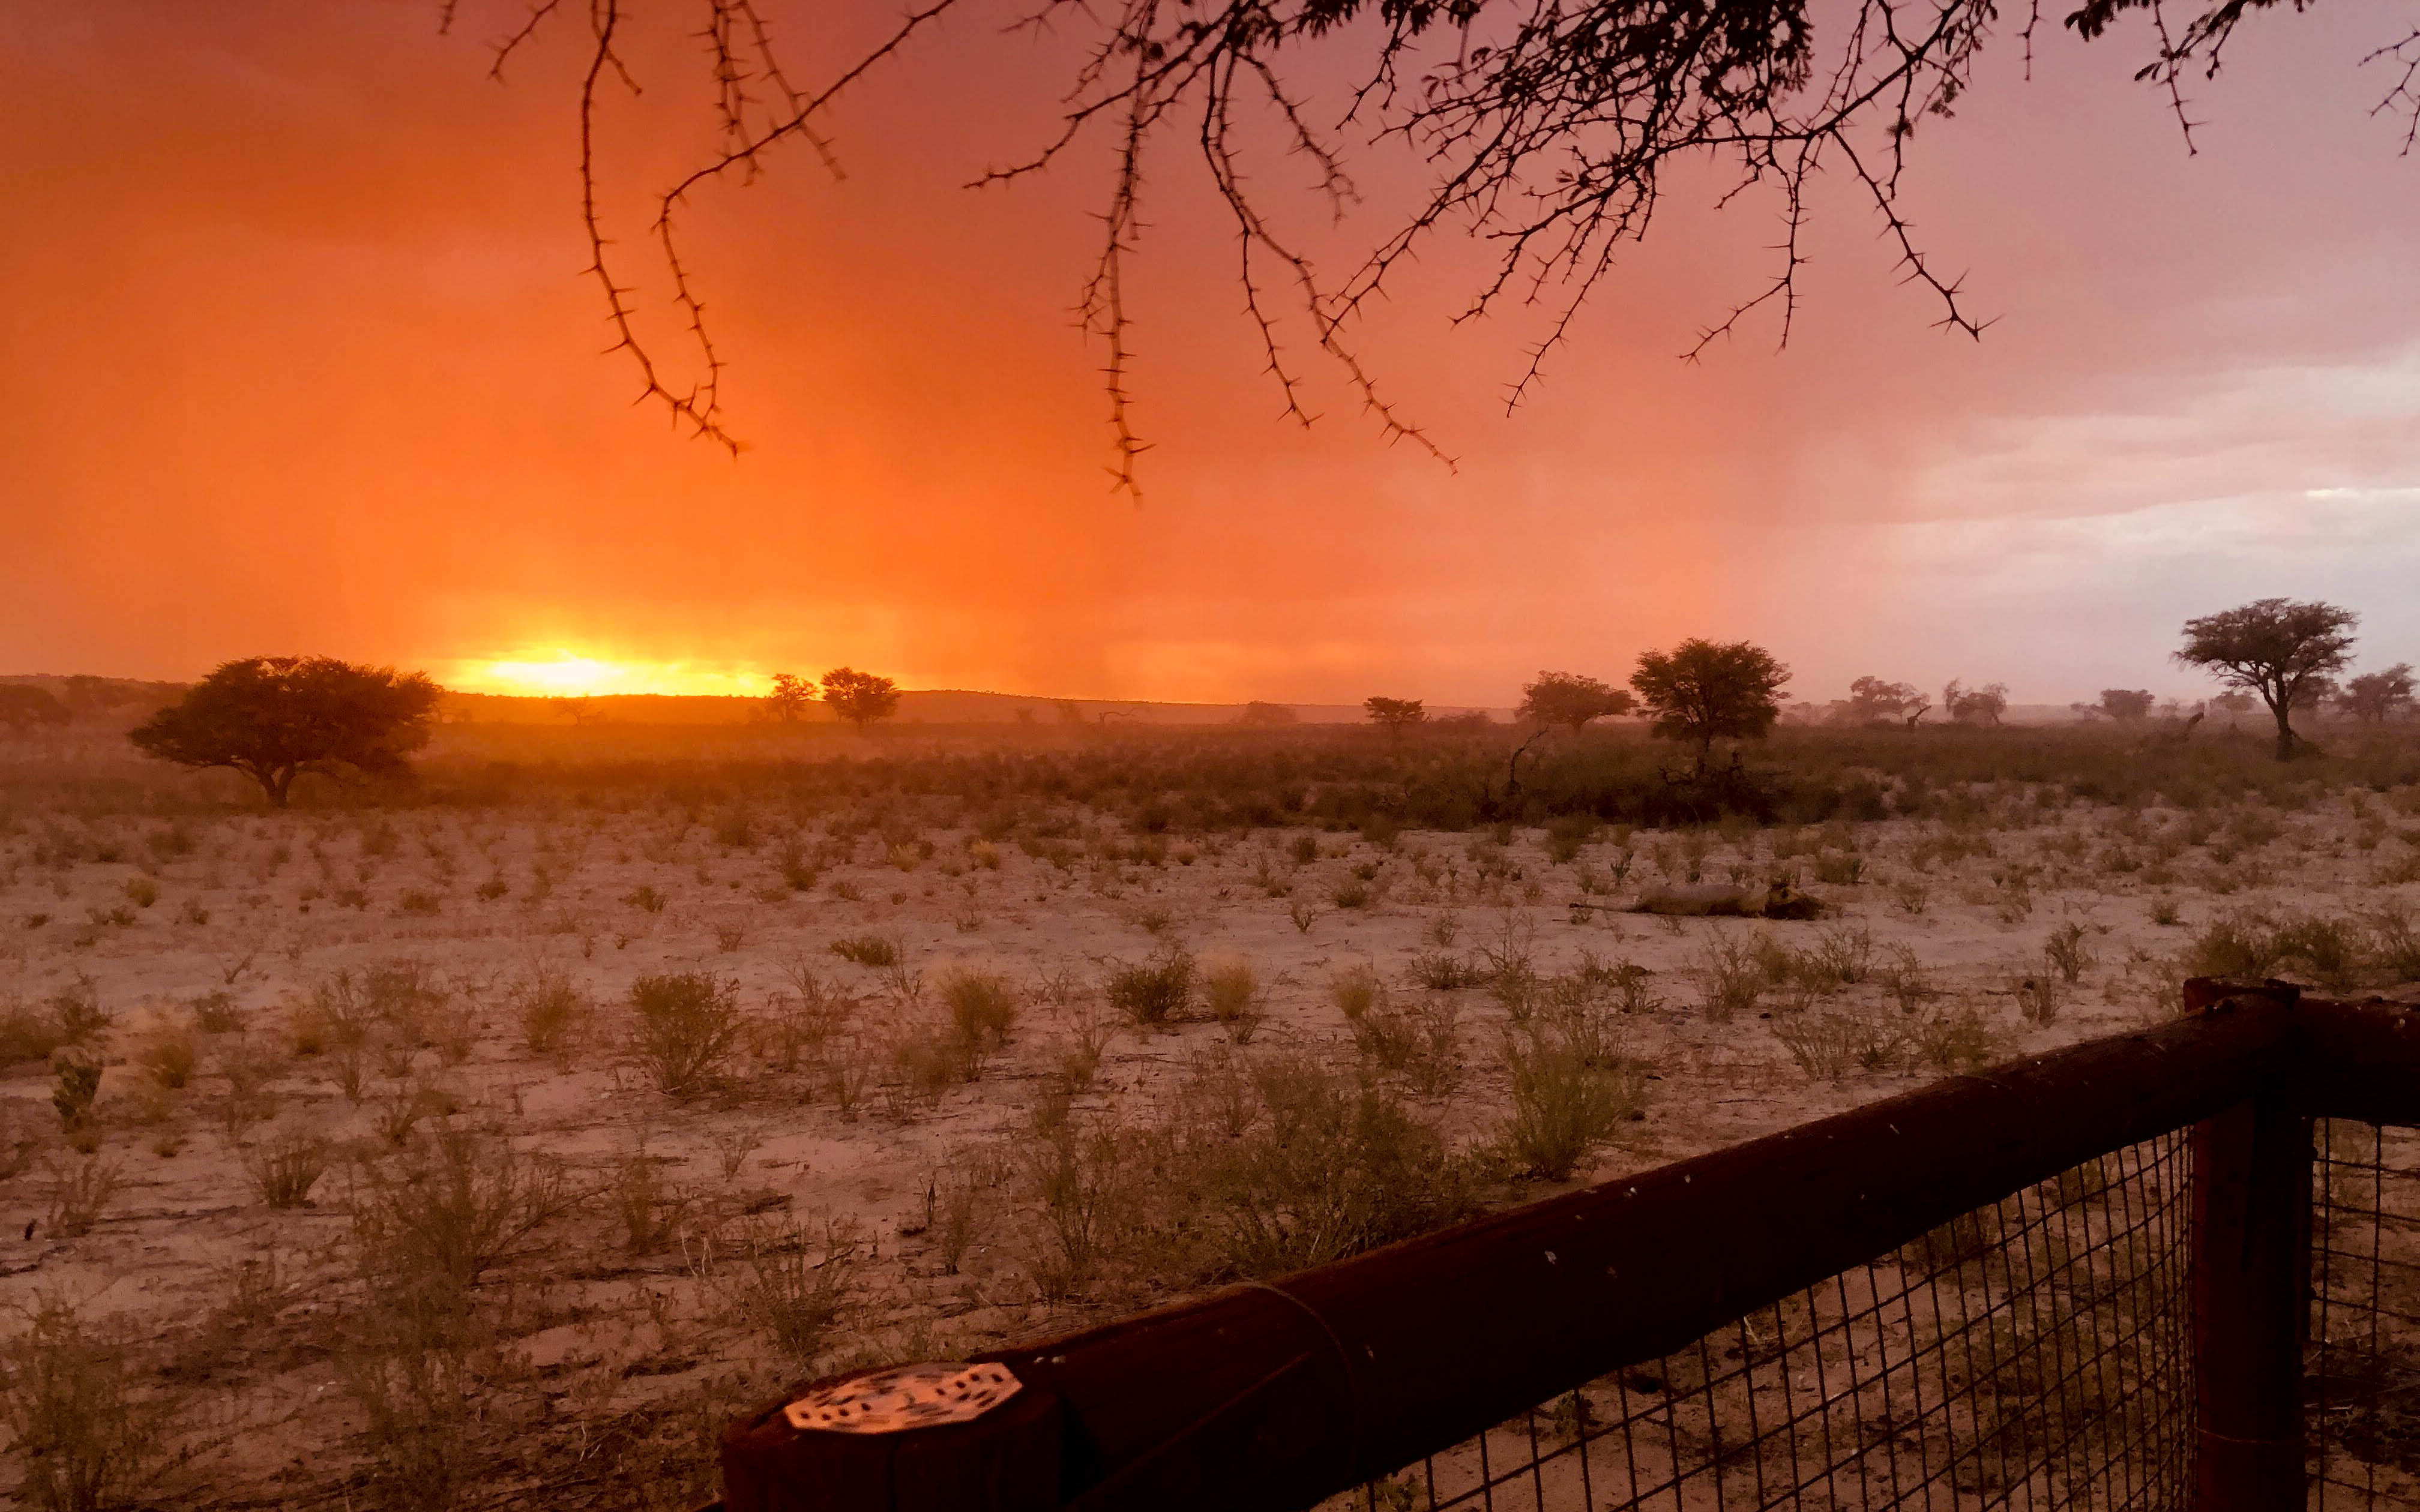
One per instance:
(77, 1082)
(645, 899)
(438, 1218)
(2235, 944)
(167, 1054)
(78, 1421)
(549, 1006)
(982, 1010)
(142, 891)
(217, 1012)
(285, 1167)
(1732, 980)
(1152, 993)
(1421, 1044)
(1568, 1099)
(1445, 971)
(1350, 892)
(1955, 1041)
(418, 903)
(1844, 953)
(2332, 950)
(1911, 985)
(2069, 952)
(687, 1023)
(795, 1286)
(1232, 991)
(647, 1211)
(76, 1013)
(1833, 1044)
(1841, 867)
(1302, 915)
(81, 1191)
(1356, 990)
(27, 1033)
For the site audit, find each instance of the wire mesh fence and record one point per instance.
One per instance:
(2154, 1327)
(2029, 1355)
(2362, 1375)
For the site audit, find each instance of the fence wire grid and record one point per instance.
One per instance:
(2362, 1365)
(2033, 1353)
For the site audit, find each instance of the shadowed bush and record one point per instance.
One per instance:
(688, 1024)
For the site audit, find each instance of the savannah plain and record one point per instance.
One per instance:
(490, 1137)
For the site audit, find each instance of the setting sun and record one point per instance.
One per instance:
(566, 673)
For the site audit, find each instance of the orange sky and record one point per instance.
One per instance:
(300, 359)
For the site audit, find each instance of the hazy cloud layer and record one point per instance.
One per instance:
(301, 359)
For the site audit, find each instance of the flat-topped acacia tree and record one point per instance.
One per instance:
(1571, 701)
(1700, 691)
(2279, 648)
(274, 717)
(861, 698)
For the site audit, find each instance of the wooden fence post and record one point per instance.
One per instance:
(2251, 1287)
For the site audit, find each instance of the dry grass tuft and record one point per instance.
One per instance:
(688, 1024)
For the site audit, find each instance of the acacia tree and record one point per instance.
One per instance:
(275, 718)
(1873, 700)
(1394, 716)
(790, 699)
(1571, 700)
(2375, 698)
(1700, 692)
(25, 708)
(861, 698)
(1546, 126)
(2125, 704)
(2274, 648)
(1975, 705)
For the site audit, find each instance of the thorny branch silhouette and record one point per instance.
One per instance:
(1547, 124)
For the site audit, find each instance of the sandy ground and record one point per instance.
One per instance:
(606, 1360)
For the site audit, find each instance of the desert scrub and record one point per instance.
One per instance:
(81, 1189)
(80, 1425)
(1954, 1040)
(1732, 978)
(1329, 1166)
(1572, 1089)
(2069, 952)
(1421, 1044)
(793, 1284)
(75, 1085)
(1356, 990)
(1829, 1047)
(687, 1023)
(168, 1053)
(1152, 993)
(440, 1216)
(982, 1007)
(551, 1006)
(286, 1166)
(1232, 991)
(1443, 970)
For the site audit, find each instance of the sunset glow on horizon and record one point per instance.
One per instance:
(2193, 391)
(566, 674)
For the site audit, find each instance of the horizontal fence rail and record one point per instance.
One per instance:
(2076, 1279)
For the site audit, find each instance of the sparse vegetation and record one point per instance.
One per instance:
(1007, 1111)
(688, 1024)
